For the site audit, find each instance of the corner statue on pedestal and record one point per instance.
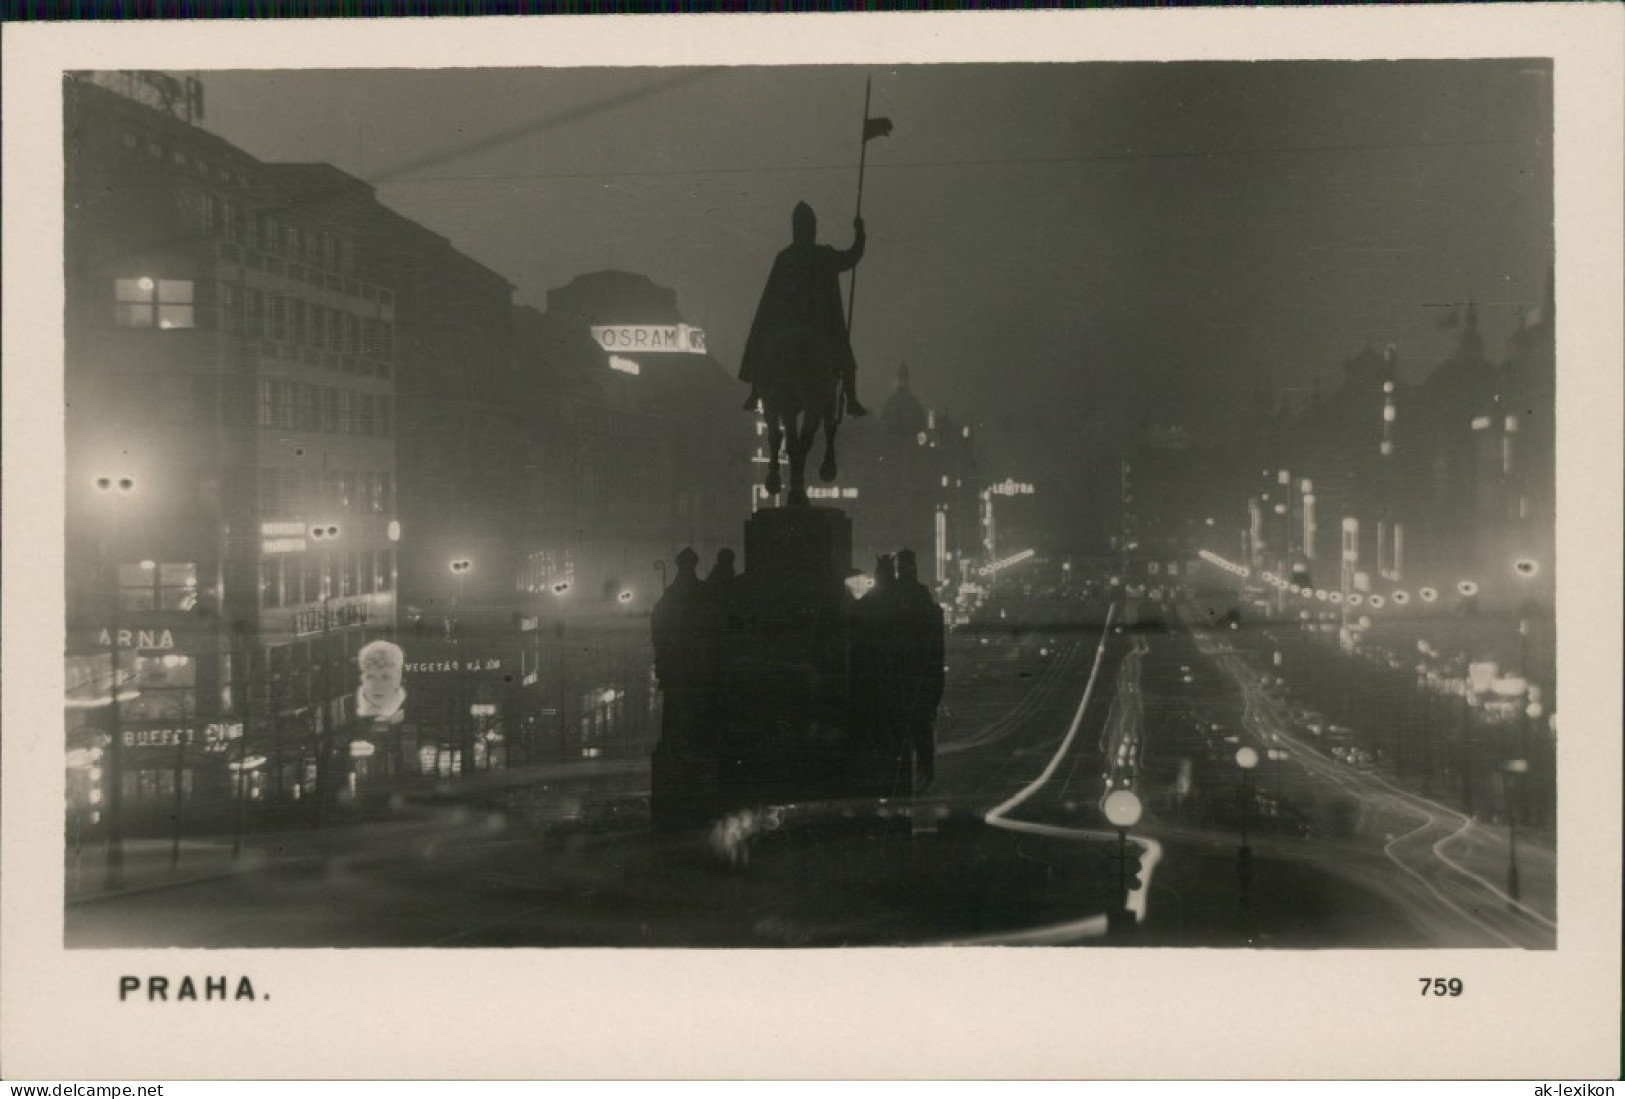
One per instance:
(798, 357)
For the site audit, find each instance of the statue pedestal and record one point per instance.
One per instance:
(760, 702)
(799, 543)
(785, 664)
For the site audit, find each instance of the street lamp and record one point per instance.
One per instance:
(1510, 768)
(1513, 692)
(1424, 710)
(114, 490)
(324, 535)
(460, 568)
(1122, 809)
(1246, 760)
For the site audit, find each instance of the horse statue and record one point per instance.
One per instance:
(796, 404)
(798, 356)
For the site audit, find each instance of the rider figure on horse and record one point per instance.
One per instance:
(799, 323)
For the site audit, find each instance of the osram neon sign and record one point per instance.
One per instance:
(650, 337)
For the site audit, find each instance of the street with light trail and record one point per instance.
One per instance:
(1050, 706)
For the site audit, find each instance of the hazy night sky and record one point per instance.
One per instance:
(1057, 250)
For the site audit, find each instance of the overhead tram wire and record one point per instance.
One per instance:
(396, 178)
(397, 175)
(319, 195)
(530, 129)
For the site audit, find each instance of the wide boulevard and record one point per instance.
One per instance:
(1051, 704)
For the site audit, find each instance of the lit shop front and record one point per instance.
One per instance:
(148, 708)
(326, 591)
(461, 716)
(534, 696)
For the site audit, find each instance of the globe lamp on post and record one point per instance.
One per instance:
(114, 491)
(1512, 767)
(460, 568)
(1122, 809)
(324, 536)
(1246, 760)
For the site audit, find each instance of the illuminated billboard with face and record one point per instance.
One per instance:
(381, 696)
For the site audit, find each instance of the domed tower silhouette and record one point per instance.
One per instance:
(903, 414)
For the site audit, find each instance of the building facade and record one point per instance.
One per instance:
(230, 390)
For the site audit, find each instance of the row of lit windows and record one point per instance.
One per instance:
(156, 785)
(296, 494)
(295, 579)
(300, 406)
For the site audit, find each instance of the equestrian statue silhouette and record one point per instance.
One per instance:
(798, 357)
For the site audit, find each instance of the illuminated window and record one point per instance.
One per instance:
(154, 303)
(150, 586)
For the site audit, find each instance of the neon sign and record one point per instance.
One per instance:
(650, 337)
